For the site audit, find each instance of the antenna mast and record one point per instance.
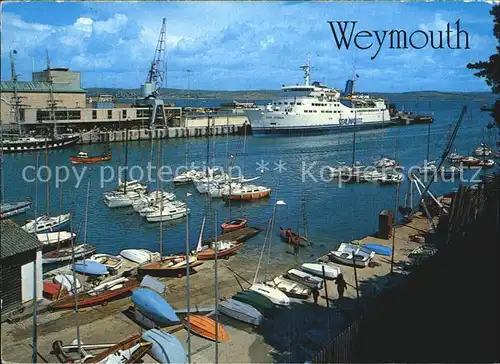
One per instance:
(307, 72)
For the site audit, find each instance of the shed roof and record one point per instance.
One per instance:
(14, 240)
(30, 86)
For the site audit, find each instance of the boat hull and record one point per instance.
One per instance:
(153, 306)
(90, 267)
(241, 311)
(379, 249)
(31, 146)
(11, 209)
(209, 254)
(358, 263)
(247, 196)
(156, 269)
(304, 278)
(88, 160)
(87, 300)
(256, 300)
(166, 348)
(205, 327)
(331, 272)
(228, 226)
(273, 294)
(65, 255)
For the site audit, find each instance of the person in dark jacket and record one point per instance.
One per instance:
(341, 285)
(315, 293)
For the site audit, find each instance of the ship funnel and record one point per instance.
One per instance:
(349, 86)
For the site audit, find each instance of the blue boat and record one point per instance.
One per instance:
(379, 249)
(166, 348)
(90, 267)
(154, 306)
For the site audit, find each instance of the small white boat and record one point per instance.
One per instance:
(331, 271)
(120, 199)
(64, 255)
(139, 256)
(247, 192)
(44, 224)
(289, 287)
(351, 254)
(218, 190)
(273, 294)
(241, 311)
(304, 278)
(385, 163)
(371, 176)
(390, 178)
(133, 185)
(483, 150)
(156, 207)
(112, 262)
(55, 239)
(67, 282)
(450, 171)
(151, 199)
(168, 213)
(188, 177)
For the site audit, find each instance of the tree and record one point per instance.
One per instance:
(490, 70)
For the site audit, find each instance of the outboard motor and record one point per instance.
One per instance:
(349, 86)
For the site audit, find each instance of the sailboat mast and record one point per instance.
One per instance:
(244, 150)
(428, 140)
(354, 148)
(216, 249)
(16, 99)
(188, 288)
(86, 213)
(52, 102)
(35, 306)
(161, 199)
(75, 291)
(126, 160)
(47, 185)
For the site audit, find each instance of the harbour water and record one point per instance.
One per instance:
(334, 213)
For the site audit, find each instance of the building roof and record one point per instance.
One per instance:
(14, 240)
(29, 86)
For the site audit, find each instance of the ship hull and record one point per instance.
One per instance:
(41, 144)
(262, 124)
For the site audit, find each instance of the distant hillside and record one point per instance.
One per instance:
(269, 94)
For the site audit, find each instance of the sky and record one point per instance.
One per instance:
(243, 45)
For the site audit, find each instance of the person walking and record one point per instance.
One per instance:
(315, 293)
(341, 285)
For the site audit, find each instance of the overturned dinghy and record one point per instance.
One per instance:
(273, 294)
(166, 348)
(331, 271)
(304, 278)
(290, 288)
(241, 311)
(139, 256)
(153, 306)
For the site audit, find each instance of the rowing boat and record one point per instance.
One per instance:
(241, 311)
(273, 294)
(225, 248)
(172, 266)
(107, 292)
(331, 271)
(166, 348)
(289, 287)
(233, 224)
(205, 327)
(130, 350)
(304, 278)
(153, 306)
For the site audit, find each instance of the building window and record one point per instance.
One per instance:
(42, 115)
(94, 114)
(61, 115)
(299, 103)
(143, 113)
(74, 115)
(21, 114)
(110, 114)
(124, 114)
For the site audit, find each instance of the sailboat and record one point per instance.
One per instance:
(9, 209)
(23, 143)
(428, 167)
(45, 223)
(349, 173)
(125, 197)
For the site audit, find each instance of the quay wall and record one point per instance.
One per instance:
(162, 133)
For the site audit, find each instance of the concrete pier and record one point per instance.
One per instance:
(162, 133)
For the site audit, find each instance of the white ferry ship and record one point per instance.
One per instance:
(315, 108)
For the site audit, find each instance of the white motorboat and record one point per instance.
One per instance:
(391, 178)
(168, 213)
(133, 185)
(112, 262)
(351, 254)
(114, 199)
(218, 190)
(371, 176)
(343, 170)
(165, 205)
(139, 256)
(241, 311)
(385, 163)
(331, 271)
(151, 199)
(247, 192)
(450, 171)
(273, 294)
(44, 224)
(483, 150)
(55, 239)
(304, 278)
(188, 177)
(455, 158)
(289, 287)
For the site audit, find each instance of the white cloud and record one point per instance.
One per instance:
(112, 25)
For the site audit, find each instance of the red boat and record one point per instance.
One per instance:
(294, 235)
(89, 299)
(233, 224)
(52, 291)
(83, 157)
(225, 249)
